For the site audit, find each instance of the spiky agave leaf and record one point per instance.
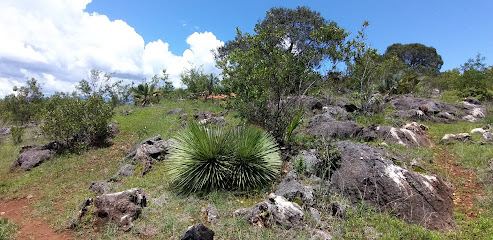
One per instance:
(200, 159)
(256, 161)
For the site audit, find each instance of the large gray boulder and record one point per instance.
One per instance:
(325, 125)
(369, 174)
(175, 111)
(276, 210)
(32, 155)
(120, 208)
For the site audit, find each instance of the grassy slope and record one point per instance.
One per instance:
(60, 185)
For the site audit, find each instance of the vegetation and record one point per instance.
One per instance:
(198, 83)
(206, 159)
(145, 94)
(77, 122)
(280, 59)
(7, 229)
(23, 105)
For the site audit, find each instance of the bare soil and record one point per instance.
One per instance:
(465, 181)
(18, 211)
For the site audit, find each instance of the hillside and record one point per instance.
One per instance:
(51, 193)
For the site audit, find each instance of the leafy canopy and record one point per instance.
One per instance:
(418, 57)
(280, 59)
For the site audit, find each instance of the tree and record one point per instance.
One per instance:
(418, 57)
(280, 59)
(145, 94)
(25, 104)
(199, 83)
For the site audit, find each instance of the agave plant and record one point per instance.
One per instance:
(144, 94)
(206, 158)
(256, 160)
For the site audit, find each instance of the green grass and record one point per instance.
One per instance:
(7, 229)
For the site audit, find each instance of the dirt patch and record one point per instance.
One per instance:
(465, 181)
(18, 210)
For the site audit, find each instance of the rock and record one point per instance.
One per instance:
(114, 130)
(218, 121)
(145, 154)
(311, 160)
(460, 137)
(175, 111)
(412, 108)
(276, 210)
(32, 156)
(336, 112)
(474, 101)
(338, 209)
(410, 135)
(100, 187)
(488, 137)
(5, 131)
(296, 192)
(350, 107)
(317, 217)
(320, 235)
(198, 232)
(184, 117)
(204, 115)
(126, 171)
(480, 130)
(474, 112)
(211, 214)
(120, 208)
(369, 174)
(325, 125)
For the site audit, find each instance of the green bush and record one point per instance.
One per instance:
(17, 134)
(205, 159)
(77, 121)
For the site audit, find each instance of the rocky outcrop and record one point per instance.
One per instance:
(325, 125)
(198, 232)
(32, 156)
(120, 208)
(369, 174)
(420, 109)
(142, 156)
(410, 135)
(276, 210)
(294, 191)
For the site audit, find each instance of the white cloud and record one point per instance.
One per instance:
(57, 42)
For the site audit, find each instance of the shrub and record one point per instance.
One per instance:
(206, 159)
(77, 121)
(16, 133)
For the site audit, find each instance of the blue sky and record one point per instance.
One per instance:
(457, 29)
(58, 42)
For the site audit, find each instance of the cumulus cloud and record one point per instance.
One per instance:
(58, 43)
